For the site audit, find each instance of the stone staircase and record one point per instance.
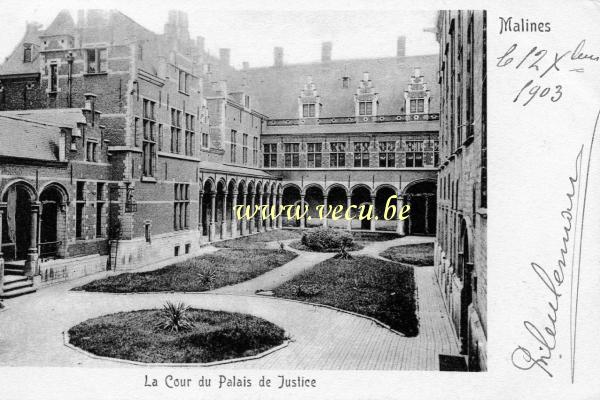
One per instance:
(15, 283)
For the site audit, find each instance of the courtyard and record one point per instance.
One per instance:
(323, 333)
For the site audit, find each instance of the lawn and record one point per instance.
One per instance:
(214, 336)
(375, 288)
(297, 244)
(414, 254)
(260, 240)
(222, 268)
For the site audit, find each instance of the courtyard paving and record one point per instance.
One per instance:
(322, 338)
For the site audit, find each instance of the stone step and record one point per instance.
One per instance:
(16, 285)
(17, 292)
(13, 271)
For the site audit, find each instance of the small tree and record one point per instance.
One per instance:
(175, 318)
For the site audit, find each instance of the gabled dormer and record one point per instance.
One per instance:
(417, 96)
(309, 101)
(365, 99)
(59, 35)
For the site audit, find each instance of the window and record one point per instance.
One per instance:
(387, 155)
(149, 140)
(181, 206)
(96, 61)
(417, 106)
(79, 208)
(436, 153)
(292, 154)
(175, 130)
(205, 139)
(247, 101)
(233, 145)
(345, 82)
(90, 151)
(140, 51)
(160, 137)
(365, 108)
(53, 77)
(245, 148)
(414, 153)
(99, 208)
(190, 132)
(270, 155)
(361, 154)
(254, 151)
(308, 110)
(314, 155)
(147, 232)
(184, 81)
(27, 53)
(337, 154)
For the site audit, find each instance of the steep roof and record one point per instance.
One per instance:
(62, 24)
(58, 117)
(274, 90)
(24, 139)
(13, 64)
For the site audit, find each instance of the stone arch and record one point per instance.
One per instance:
(357, 186)
(314, 196)
(53, 213)
(420, 195)
(360, 196)
(60, 188)
(291, 195)
(383, 194)
(18, 220)
(337, 185)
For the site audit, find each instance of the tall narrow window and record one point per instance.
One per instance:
(414, 153)
(181, 206)
(308, 110)
(205, 139)
(190, 133)
(99, 209)
(245, 148)
(175, 130)
(292, 154)
(361, 154)
(255, 151)
(79, 209)
(53, 77)
(27, 53)
(96, 61)
(91, 151)
(184, 79)
(337, 154)
(314, 155)
(270, 155)
(387, 155)
(149, 141)
(233, 146)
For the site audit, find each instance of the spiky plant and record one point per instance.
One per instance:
(175, 317)
(208, 276)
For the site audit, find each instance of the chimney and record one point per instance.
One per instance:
(89, 110)
(326, 51)
(245, 65)
(224, 57)
(365, 76)
(278, 56)
(401, 49)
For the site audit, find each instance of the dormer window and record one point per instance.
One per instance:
(345, 82)
(96, 61)
(184, 81)
(308, 110)
(417, 106)
(417, 95)
(365, 108)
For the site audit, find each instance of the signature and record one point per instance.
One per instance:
(553, 278)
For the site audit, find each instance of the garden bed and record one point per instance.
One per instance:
(297, 244)
(259, 240)
(413, 254)
(223, 268)
(214, 336)
(363, 285)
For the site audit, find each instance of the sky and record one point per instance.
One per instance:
(252, 29)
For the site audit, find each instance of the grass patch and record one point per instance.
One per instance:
(207, 272)
(364, 285)
(260, 240)
(215, 336)
(414, 254)
(299, 246)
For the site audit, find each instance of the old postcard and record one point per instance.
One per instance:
(341, 200)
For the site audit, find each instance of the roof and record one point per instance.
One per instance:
(223, 168)
(274, 91)
(13, 64)
(24, 139)
(59, 117)
(62, 24)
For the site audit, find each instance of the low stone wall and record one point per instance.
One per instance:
(60, 270)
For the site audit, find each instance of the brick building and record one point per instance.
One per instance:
(178, 138)
(460, 253)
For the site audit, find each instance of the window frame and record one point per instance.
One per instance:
(291, 154)
(361, 157)
(338, 154)
(100, 65)
(314, 157)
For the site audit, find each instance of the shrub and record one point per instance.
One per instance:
(327, 239)
(175, 318)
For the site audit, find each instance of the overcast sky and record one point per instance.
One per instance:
(252, 29)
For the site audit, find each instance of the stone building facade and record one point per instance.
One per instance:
(182, 138)
(460, 252)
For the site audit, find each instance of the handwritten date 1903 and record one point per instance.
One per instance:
(554, 93)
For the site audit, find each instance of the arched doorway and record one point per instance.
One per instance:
(52, 221)
(17, 221)
(207, 212)
(291, 196)
(421, 196)
(313, 197)
(337, 197)
(465, 273)
(361, 196)
(381, 199)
